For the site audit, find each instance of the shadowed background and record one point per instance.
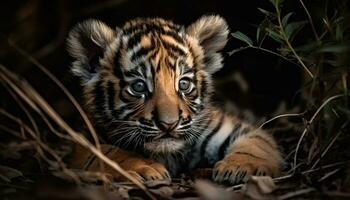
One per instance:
(259, 84)
(252, 79)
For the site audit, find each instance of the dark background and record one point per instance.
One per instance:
(40, 27)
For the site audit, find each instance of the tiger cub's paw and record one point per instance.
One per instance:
(154, 171)
(237, 168)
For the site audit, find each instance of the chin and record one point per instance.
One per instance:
(165, 145)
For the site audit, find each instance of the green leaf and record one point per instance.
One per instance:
(293, 28)
(284, 51)
(286, 18)
(334, 48)
(274, 35)
(237, 50)
(276, 3)
(261, 30)
(338, 32)
(267, 13)
(241, 36)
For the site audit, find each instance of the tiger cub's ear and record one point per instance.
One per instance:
(211, 33)
(87, 43)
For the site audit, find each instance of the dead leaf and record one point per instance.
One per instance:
(209, 191)
(259, 188)
(163, 191)
(157, 183)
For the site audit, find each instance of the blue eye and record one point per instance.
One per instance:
(139, 86)
(184, 84)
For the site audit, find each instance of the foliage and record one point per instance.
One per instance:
(323, 59)
(315, 139)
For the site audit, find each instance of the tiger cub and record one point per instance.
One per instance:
(147, 87)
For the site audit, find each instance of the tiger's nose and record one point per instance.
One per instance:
(166, 126)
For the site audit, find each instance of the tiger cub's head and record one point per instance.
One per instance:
(148, 83)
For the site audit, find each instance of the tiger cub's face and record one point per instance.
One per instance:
(148, 83)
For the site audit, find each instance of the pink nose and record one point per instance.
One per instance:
(167, 127)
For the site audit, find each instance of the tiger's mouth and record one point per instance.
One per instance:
(164, 144)
(167, 135)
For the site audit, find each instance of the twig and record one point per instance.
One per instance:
(295, 193)
(79, 138)
(41, 114)
(279, 116)
(329, 145)
(309, 123)
(288, 43)
(64, 89)
(310, 20)
(281, 178)
(11, 131)
(262, 49)
(27, 113)
(42, 145)
(329, 174)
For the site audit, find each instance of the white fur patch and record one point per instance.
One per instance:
(216, 141)
(167, 145)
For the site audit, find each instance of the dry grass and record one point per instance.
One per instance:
(36, 139)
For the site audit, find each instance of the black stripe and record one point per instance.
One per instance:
(99, 98)
(224, 146)
(235, 130)
(127, 117)
(187, 69)
(193, 109)
(175, 36)
(204, 87)
(117, 68)
(124, 98)
(138, 32)
(89, 161)
(143, 68)
(245, 131)
(142, 52)
(228, 141)
(134, 40)
(174, 48)
(111, 96)
(144, 27)
(167, 62)
(153, 55)
(210, 135)
(118, 112)
(147, 27)
(190, 49)
(263, 139)
(146, 121)
(92, 158)
(133, 73)
(122, 84)
(121, 110)
(193, 95)
(249, 154)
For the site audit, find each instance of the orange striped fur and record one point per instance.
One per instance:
(147, 86)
